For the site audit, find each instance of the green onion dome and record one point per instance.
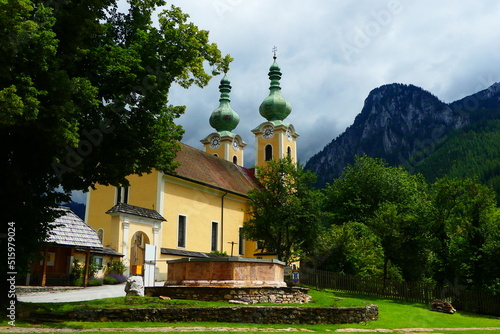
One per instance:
(275, 107)
(224, 118)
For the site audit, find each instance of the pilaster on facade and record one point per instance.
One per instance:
(156, 231)
(125, 245)
(160, 193)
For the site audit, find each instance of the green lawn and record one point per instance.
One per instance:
(321, 299)
(396, 314)
(392, 314)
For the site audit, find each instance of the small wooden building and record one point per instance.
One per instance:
(70, 239)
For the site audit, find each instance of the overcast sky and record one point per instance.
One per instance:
(333, 53)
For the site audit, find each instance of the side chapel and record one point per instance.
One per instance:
(201, 209)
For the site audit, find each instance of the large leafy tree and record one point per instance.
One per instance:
(284, 210)
(84, 100)
(466, 229)
(350, 248)
(393, 204)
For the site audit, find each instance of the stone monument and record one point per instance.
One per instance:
(134, 286)
(229, 278)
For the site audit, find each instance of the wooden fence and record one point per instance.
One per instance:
(462, 299)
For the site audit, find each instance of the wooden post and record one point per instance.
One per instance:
(87, 267)
(44, 270)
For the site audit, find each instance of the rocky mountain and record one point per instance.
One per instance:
(403, 124)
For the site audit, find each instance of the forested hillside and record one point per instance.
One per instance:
(471, 152)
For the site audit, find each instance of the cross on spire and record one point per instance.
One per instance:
(274, 52)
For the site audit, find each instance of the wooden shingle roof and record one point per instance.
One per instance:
(70, 230)
(204, 168)
(136, 211)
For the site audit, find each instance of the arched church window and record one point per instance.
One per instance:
(100, 234)
(289, 151)
(235, 160)
(216, 155)
(268, 153)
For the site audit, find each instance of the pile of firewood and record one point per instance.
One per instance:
(442, 306)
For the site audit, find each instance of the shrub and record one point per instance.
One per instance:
(78, 282)
(78, 271)
(114, 279)
(110, 280)
(76, 276)
(95, 282)
(115, 267)
(94, 267)
(219, 253)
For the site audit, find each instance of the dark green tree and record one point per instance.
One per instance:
(350, 248)
(84, 100)
(284, 210)
(393, 204)
(466, 233)
(472, 151)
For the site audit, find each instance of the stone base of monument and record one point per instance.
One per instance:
(282, 295)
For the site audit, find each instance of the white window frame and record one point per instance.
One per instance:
(241, 242)
(271, 148)
(122, 195)
(99, 260)
(184, 237)
(214, 246)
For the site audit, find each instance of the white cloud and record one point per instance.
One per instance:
(450, 48)
(78, 196)
(333, 53)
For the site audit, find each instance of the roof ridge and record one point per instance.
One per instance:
(204, 168)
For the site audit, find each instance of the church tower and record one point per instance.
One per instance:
(223, 143)
(275, 139)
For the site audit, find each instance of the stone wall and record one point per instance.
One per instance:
(241, 314)
(282, 295)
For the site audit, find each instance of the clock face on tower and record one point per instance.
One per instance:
(215, 142)
(236, 144)
(289, 134)
(268, 131)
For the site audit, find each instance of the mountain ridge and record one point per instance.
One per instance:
(399, 123)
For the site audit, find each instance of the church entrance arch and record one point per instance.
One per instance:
(137, 248)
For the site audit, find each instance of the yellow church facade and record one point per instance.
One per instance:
(199, 210)
(190, 214)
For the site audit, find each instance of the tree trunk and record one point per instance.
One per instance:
(384, 281)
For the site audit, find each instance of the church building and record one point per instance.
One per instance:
(198, 211)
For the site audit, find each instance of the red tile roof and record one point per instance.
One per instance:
(204, 168)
